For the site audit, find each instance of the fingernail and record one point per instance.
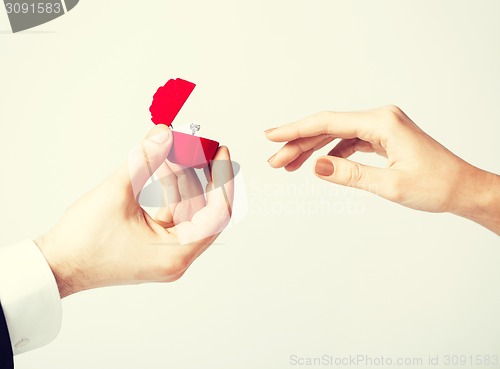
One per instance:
(269, 130)
(271, 158)
(161, 137)
(324, 167)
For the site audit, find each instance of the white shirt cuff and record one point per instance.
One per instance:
(29, 297)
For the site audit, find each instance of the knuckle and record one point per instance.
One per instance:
(223, 219)
(354, 174)
(394, 109)
(176, 277)
(322, 115)
(291, 149)
(300, 147)
(391, 118)
(322, 119)
(396, 190)
(175, 265)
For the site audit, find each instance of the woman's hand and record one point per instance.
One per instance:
(420, 174)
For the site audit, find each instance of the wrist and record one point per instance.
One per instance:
(478, 198)
(62, 271)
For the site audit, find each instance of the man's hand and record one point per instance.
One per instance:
(106, 238)
(420, 174)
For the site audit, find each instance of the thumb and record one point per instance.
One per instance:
(145, 158)
(350, 173)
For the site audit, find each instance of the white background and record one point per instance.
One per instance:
(359, 275)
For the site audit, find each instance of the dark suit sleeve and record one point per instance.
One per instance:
(6, 359)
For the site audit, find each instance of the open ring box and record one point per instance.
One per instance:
(187, 150)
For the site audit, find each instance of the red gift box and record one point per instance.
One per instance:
(187, 150)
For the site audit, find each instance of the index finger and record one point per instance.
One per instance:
(337, 124)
